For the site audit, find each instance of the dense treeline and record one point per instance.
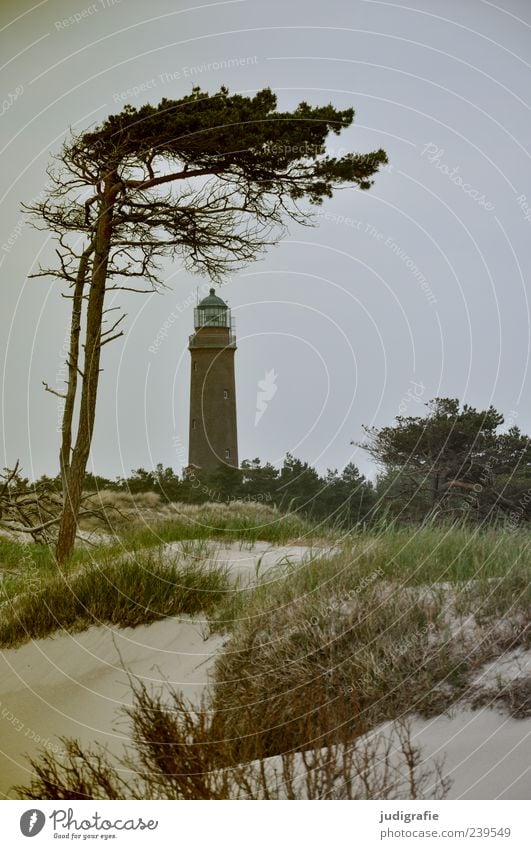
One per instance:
(452, 463)
(346, 498)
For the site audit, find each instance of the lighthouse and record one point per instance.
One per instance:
(213, 429)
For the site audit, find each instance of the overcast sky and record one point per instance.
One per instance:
(413, 290)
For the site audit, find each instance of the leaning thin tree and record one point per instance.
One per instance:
(209, 179)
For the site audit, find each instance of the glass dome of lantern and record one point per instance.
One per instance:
(212, 312)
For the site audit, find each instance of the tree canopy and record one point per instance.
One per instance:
(253, 164)
(451, 462)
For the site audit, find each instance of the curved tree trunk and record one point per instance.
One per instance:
(74, 467)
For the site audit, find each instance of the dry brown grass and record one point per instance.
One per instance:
(115, 509)
(177, 755)
(336, 647)
(292, 676)
(125, 500)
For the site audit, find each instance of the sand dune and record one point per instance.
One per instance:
(74, 685)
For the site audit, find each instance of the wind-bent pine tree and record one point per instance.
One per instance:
(209, 179)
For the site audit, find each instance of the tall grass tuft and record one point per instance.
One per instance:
(127, 592)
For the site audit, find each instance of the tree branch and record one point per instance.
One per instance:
(169, 178)
(53, 391)
(111, 338)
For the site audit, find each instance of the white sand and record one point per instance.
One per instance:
(508, 667)
(487, 754)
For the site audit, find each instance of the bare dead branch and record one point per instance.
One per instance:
(115, 325)
(53, 391)
(111, 338)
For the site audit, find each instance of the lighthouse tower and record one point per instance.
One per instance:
(213, 432)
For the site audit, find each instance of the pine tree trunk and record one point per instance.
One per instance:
(74, 468)
(73, 366)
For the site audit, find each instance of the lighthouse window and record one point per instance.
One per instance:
(225, 394)
(194, 424)
(195, 366)
(227, 453)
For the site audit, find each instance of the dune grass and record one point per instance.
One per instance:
(27, 563)
(434, 553)
(393, 622)
(136, 527)
(127, 592)
(144, 520)
(228, 523)
(470, 560)
(127, 580)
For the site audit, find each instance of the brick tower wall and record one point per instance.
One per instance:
(213, 427)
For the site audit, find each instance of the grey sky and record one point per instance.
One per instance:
(417, 288)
